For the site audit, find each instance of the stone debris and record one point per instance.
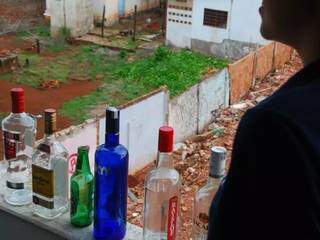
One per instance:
(191, 159)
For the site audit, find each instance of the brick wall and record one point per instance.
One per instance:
(20, 14)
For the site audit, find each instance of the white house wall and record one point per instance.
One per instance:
(246, 21)
(207, 33)
(179, 24)
(111, 10)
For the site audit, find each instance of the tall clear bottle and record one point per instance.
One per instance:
(162, 193)
(205, 195)
(50, 173)
(19, 131)
(111, 183)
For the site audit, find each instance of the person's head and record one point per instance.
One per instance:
(288, 21)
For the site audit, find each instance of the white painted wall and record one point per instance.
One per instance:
(246, 21)
(213, 94)
(75, 15)
(139, 126)
(111, 10)
(74, 137)
(207, 33)
(179, 24)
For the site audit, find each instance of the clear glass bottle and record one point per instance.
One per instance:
(162, 193)
(205, 195)
(50, 173)
(19, 131)
(81, 189)
(111, 183)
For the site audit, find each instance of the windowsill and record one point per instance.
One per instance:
(59, 228)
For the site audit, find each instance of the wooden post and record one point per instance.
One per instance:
(103, 20)
(160, 8)
(38, 45)
(135, 22)
(164, 18)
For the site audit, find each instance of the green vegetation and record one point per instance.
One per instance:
(123, 81)
(177, 70)
(35, 70)
(2, 116)
(39, 31)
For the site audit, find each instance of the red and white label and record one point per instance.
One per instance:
(172, 218)
(11, 141)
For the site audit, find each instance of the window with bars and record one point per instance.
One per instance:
(215, 18)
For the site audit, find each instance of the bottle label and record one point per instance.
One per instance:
(172, 218)
(43, 186)
(12, 141)
(16, 186)
(202, 222)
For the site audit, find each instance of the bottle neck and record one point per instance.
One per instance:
(49, 137)
(164, 160)
(83, 162)
(214, 181)
(112, 139)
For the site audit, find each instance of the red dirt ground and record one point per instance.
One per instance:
(10, 42)
(37, 100)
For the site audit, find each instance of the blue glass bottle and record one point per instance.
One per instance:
(111, 177)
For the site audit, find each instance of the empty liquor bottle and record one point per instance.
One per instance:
(50, 173)
(205, 195)
(111, 182)
(81, 191)
(18, 130)
(162, 193)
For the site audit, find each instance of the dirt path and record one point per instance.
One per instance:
(37, 100)
(192, 162)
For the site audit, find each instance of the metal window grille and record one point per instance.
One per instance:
(215, 18)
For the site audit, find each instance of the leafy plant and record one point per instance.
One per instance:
(123, 54)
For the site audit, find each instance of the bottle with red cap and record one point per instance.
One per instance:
(18, 132)
(162, 193)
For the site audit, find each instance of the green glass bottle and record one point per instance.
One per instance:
(81, 211)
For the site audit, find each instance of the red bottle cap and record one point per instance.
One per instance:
(17, 97)
(165, 144)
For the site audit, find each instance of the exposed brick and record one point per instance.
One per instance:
(16, 14)
(241, 77)
(283, 54)
(264, 61)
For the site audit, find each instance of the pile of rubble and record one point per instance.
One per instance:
(191, 158)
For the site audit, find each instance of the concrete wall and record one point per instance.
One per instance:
(142, 5)
(139, 125)
(207, 33)
(213, 94)
(183, 114)
(246, 21)
(241, 77)
(111, 10)
(75, 15)
(20, 14)
(179, 24)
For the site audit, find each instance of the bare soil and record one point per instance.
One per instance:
(192, 160)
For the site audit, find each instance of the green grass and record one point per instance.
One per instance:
(39, 71)
(123, 81)
(39, 31)
(3, 115)
(177, 70)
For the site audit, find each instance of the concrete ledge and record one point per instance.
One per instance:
(19, 223)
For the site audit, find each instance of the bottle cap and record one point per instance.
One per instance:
(50, 121)
(217, 162)
(83, 149)
(17, 97)
(112, 120)
(165, 143)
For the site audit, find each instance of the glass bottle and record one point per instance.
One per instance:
(50, 173)
(81, 191)
(111, 182)
(162, 193)
(205, 195)
(19, 131)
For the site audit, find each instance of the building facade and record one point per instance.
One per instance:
(225, 28)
